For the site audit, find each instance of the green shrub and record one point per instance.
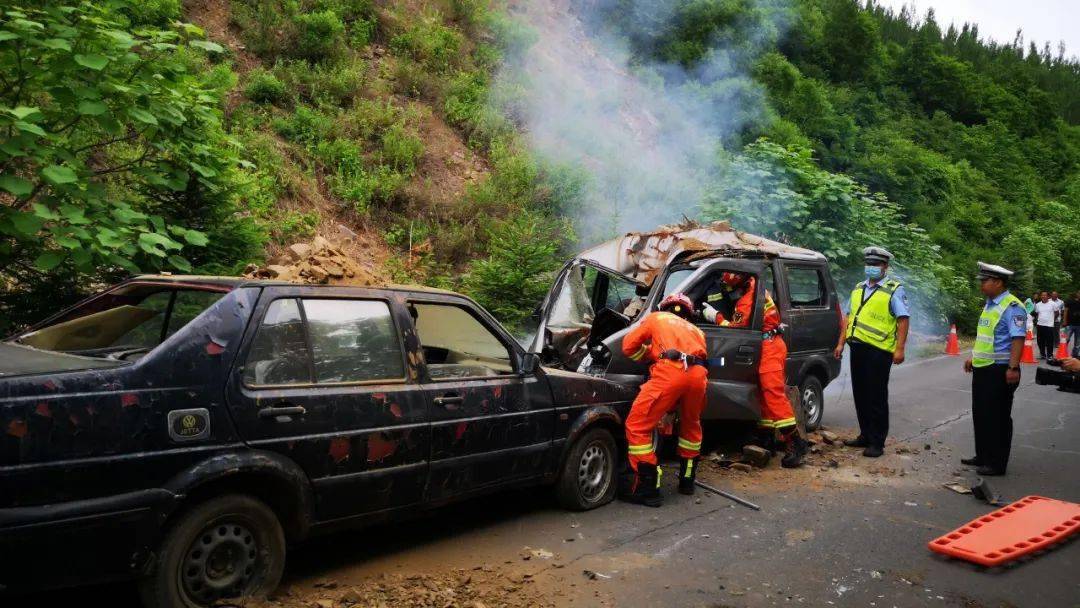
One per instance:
(367, 187)
(348, 10)
(265, 27)
(431, 43)
(362, 32)
(401, 149)
(152, 12)
(318, 35)
(330, 83)
(264, 87)
(295, 225)
(304, 126)
(370, 117)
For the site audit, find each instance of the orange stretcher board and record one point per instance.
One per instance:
(1030, 524)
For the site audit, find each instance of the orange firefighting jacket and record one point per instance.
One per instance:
(744, 310)
(662, 331)
(773, 350)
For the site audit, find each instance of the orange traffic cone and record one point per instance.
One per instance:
(952, 347)
(1028, 356)
(1063, 346)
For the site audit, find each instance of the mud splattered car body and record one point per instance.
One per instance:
(361, 405)
(606, 288)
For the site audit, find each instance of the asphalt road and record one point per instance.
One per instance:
(850, 535)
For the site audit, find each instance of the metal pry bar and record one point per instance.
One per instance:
(727, 495)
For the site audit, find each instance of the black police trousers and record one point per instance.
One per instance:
(991, 413)
(870, 367)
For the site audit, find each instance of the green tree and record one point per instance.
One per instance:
(783, 194)
(98, 126)
(514, 278)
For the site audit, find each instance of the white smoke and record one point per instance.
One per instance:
(650, 134)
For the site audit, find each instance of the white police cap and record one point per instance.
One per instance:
(993, 271)
(877, 255)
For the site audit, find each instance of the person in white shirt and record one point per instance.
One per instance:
(1056, 301)
(1046, 313)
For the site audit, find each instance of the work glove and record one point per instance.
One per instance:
(709, 312)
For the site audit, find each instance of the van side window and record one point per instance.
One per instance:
(279, 353)
(806, 287)
(722, 290)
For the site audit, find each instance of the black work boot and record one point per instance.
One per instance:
(646, 487)
(687, 473)
(794, 452)
(766, 438)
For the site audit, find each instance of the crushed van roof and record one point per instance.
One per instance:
(642, 255)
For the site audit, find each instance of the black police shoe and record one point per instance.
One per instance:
(970, 462)
(873, 451)
(858, 442)
(989, 471)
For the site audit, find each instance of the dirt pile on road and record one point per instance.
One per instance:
(829, 465)
(317, 262)
(480, 587)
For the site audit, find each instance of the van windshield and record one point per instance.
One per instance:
(131, 320)
(675, 278)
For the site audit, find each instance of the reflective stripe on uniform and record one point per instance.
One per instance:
(640, 353)
(784, 423)
(686, 444)
(983, 354)
(871, 320)
(689, 468)
(767, 424)
(638, 450)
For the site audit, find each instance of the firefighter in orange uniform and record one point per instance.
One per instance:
(777, 415)
(677, 378)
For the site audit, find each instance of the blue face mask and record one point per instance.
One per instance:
(873, 272)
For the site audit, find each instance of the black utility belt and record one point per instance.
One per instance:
(687, 360)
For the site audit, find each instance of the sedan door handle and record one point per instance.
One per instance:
(282, 413)
(450, 402)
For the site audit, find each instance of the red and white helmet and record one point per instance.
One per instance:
(679, 304)
(734, 279)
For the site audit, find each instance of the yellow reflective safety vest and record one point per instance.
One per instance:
(983, 352)
(871, 321)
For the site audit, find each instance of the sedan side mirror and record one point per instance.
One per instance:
(530, 362)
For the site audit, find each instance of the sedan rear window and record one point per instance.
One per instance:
(134, 319)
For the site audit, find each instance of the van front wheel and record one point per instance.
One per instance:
(230, 546)
(813, 401)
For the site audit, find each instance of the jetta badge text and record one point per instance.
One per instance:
(189, 425)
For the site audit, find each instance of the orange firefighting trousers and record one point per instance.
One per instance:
(776, 410)
(670, 385)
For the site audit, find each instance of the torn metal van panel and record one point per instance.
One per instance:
(571, 315)
(642, 255)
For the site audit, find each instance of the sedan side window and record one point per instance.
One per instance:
(279, 354)
(457, 345)
(353, 341)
